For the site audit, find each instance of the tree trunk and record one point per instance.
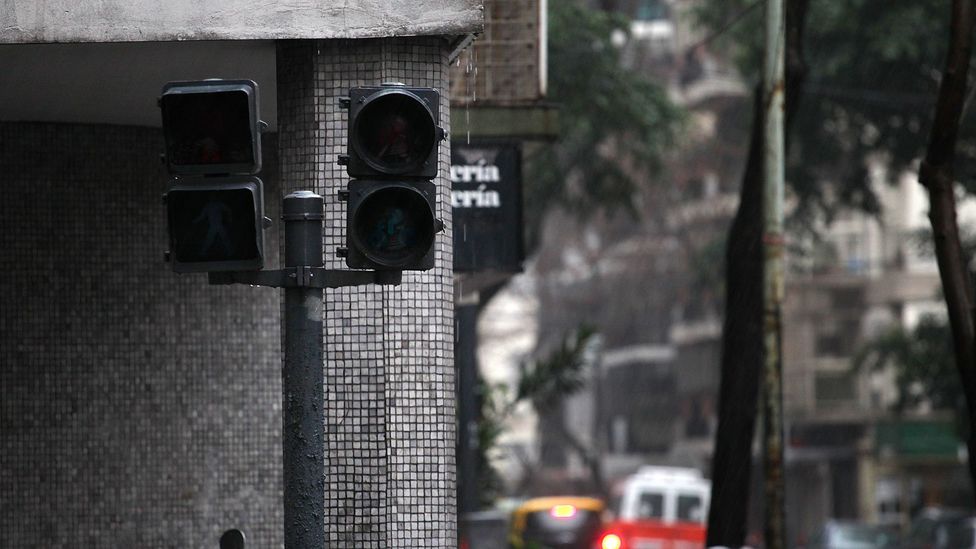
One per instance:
(937, 175)
(742, 356)
(742, 330)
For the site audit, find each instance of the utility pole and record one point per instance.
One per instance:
(774, 85)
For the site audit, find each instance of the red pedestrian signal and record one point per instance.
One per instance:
(211, 127)
(214, 207)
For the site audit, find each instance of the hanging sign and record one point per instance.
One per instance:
(486, 199)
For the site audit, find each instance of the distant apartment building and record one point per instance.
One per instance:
(849, 456)
(653, 393)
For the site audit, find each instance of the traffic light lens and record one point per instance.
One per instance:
(207, 128)
(394, 226)
(395, 133)
(212, 225)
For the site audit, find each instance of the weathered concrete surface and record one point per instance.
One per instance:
(118, 83)
(33, 21)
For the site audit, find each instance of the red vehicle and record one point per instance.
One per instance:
(659, 508)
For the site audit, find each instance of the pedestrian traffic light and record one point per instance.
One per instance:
(392, 157)
(216, 226)
(214, 207)
(211, 127)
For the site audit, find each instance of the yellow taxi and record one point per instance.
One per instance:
(556, 522)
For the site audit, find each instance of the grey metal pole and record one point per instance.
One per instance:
(773, 163)
(302, 379)
(467, 379)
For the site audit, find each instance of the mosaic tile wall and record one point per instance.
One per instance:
(138, 408)
(389, 351)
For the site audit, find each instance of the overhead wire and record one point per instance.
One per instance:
(727, 25)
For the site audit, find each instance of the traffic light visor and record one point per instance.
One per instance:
(395, 132)
(394, 226)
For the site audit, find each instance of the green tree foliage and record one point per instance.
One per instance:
(614, 124)
(923, 363)
(543, 384)
(874, 71)
(548, 381)
(922, 358)
(494, 412)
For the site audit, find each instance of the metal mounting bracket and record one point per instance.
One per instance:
(307, 277)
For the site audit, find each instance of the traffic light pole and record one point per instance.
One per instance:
(302, 382)
(302, 392)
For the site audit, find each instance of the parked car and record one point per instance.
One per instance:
(962, 534)
(931, 528)
(558, 522)
(660, 507)
(848, 534)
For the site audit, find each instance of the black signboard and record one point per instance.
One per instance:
(486, 198)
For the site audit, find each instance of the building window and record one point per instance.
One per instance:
(651, 10)
(835, 386)
(829, 345)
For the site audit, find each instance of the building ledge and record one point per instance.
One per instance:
(537, 122)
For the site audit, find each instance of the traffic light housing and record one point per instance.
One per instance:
(392, 156)
(393, 131)
(214, 205)
(216, 225)
(391, 225)
(211, 127)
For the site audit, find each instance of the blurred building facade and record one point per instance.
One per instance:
(649, 284)
(498, 84)
(849, 455)
(651, 288)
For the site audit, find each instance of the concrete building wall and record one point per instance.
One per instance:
(26, 21)
(512, 53)
(119, 83)
(138, 408)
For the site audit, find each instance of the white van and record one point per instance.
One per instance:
(660, 507)
(667, 494)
